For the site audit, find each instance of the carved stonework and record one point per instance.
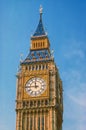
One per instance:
(39, 93)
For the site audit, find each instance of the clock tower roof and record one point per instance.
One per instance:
(40, 45)
(40, 32)
(38, 56)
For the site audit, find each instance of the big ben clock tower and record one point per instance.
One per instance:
(39, 94)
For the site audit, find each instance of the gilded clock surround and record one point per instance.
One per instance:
(44, 111)
(35, 86)
(46, 92)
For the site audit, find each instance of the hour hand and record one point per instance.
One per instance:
(35, 86)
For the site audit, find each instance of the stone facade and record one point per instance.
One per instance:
(39, 105)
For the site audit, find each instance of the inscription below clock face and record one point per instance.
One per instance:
(35, 86)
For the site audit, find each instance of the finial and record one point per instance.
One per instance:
(40, 10)
(21, 57)
(52, 53)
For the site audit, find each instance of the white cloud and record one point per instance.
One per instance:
(76, 87)
(74, 50)
(74, 84)
(75, 53)
(79, 100)
(75, 111)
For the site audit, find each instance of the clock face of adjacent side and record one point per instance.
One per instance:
(35, 86)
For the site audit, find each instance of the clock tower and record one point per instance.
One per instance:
(39, 93)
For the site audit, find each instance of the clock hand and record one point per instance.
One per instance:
(35, 82)
(34, 86)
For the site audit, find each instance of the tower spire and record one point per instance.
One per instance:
(40, 29)
(41, 11)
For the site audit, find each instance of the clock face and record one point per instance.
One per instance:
(35, 86)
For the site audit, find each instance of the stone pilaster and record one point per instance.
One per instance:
(51, 120)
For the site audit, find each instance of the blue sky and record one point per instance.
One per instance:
(65, 22)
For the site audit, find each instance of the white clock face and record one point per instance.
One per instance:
(35, 86)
